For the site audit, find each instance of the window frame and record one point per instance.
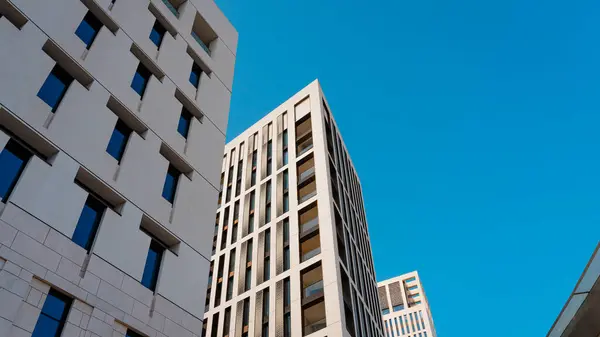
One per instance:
(176, 175)
(61, 75)
(196, 71)
(98, 205)
(16, 149)
(159, 31)
(92, 22)
(68, 303)
(145, 74)
(126, 132)
(159, 249)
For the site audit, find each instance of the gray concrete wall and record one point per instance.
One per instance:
(38, 220)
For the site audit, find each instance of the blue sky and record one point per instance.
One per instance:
(474, 129)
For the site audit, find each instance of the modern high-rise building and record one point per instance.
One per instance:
(291, 251)
(404, 307)
(579, 316)
(112, 127)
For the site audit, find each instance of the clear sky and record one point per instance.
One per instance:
(474, 127)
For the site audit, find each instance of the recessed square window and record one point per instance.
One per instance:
(88, 29)
(55, 87)
(157, 33)
(398, 307)
(53, 316)
(195, 75)
(152, 267)
(13, 159)
(88, 222)
(170, 186)
(185, 120)
(118, 140)
(140, 79)
(131, 333)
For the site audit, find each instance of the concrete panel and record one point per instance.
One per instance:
(113, 65)
(137, 26)
(204, 150)
(175, 61)
(218, 22)
(224, 62)
(193, 213)
(161, 111)
(26, 62)
(59, 19)
(36, 193)
(35, 251)
(142, 174)
(24, 222)
(213, 98)
(7, 233)
(121, 243)
(63, 245)
(105, 271)
(180, 284)
(86, 144)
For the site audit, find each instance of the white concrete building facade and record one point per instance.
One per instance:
(404, 307)
(112, 127)
(291, 251)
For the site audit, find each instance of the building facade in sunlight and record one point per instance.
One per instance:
(404, 307)
(291, 255)
(112, 126)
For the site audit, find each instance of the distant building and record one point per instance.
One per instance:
(404, 307)
(580, 315)
(291, 255)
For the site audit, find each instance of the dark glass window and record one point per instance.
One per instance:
(248, 277)
(287, 325)
(195, 75)
(13, 159)
(185, 120)
(55, 86)
(269, 157)
(286, 258)
(236, 216)
(215, 325)
(152, 268)
(88, 29)
(140, 79)
(286, 244)
(88, 222)
(246, 312)
(230, 279)
(265, 313)
(286, 293)
(253, 174)
(284, 143)
(268, 202)
(131, 333)
(171, 184)
(267, 254)
(251, 216)
(53, 316)
(227, 322)
(118, 140)
(157, 33)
